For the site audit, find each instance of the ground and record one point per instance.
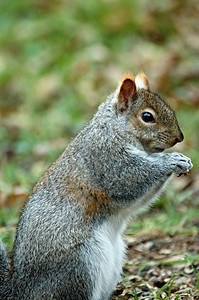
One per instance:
(160, 267)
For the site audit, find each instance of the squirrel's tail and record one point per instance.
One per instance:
(4, 273)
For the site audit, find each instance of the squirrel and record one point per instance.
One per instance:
(69, 242)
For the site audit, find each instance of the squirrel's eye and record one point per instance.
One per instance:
(148, 117)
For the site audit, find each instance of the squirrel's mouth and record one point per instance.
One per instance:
(158, 149)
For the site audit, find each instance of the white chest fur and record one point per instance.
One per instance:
(110, 254)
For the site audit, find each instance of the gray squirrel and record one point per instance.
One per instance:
(69, 243)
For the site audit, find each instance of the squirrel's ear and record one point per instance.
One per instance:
(127, 93)
(142, 81)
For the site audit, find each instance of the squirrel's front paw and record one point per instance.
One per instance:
(179, 163)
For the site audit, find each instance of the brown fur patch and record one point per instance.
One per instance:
(88, 199)
(97, 200)
(93, 200)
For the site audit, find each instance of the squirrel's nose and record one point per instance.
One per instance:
(180, 138)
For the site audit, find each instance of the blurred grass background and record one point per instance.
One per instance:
(60, 59)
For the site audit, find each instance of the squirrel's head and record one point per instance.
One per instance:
(149, 117)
